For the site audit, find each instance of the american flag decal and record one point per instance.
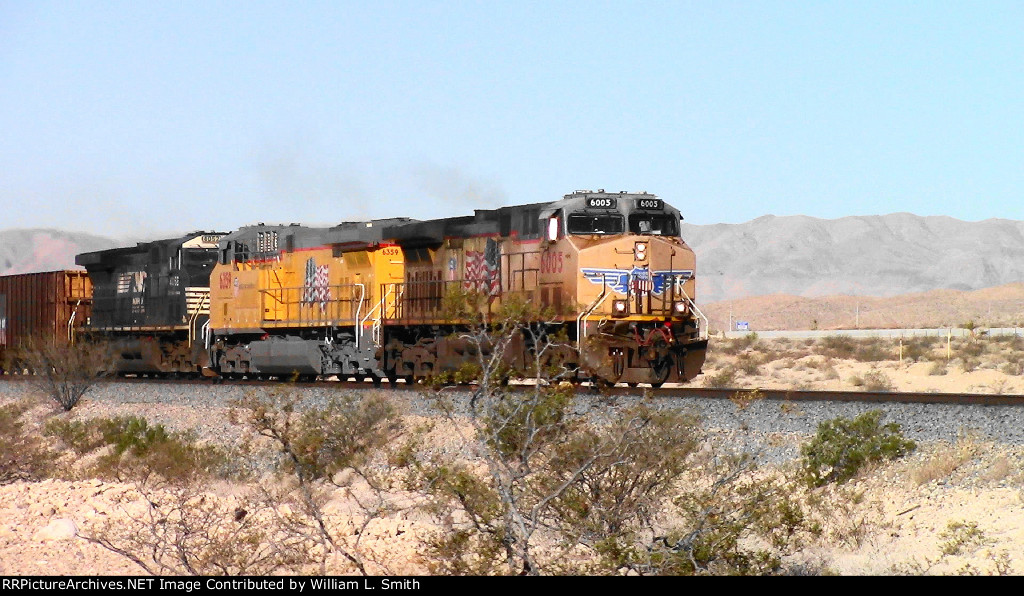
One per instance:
(316, 289)
(642, 282)
(483, 269)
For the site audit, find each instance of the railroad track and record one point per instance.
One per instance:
(791, 395)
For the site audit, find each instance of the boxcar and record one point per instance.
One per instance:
(52, 304)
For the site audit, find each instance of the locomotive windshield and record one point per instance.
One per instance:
(655, 224)
(585, 223)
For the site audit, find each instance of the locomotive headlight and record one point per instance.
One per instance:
(620, 308)
(553, 228)
(679, 308)
(640, 251)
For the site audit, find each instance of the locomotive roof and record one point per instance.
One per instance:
(295, 236)
(521, 220)
(142, 250)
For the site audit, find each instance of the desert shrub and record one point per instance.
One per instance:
(23, 454)
(740, 527)
(184, 530)
(62, 371)
(138, 450)
(917, 349)
(961, 536)
(938, 368)
(998, 470)
(724, 378)
(322, 445)
(749, 363)
(1012, 368)
(837, 346)
(873, 349)
(735, 346)
(969, 364)
(947, 460)
(876, 380)
(841, 447)
(969, 348)
(564, 486)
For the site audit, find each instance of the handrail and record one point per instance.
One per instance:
(376, 322)
(195, 316)
(375, 330)
(581, 330)
(71, 322)
(359, 308)
(206, 334)
(702, 332)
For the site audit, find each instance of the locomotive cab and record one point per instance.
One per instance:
(635, 286)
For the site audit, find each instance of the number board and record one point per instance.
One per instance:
(601, 203)
(657, 204)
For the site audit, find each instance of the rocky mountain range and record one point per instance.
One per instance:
(34, 250)
(877, 255)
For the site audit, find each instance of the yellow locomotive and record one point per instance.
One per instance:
(610, 267)
(369, 298)
(299, 300)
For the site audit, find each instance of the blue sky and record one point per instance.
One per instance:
(143, 118)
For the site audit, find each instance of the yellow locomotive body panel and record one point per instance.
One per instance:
(311, 288)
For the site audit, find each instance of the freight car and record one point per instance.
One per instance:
(367, 298)
(151, 302)
(52, 305)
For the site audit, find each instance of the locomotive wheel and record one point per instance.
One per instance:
(661, 368)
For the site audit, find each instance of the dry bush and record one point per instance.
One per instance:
(962, 536)
(876, 380)
(875, 349)
(63, 371)
(917, 349)
(1012, 368)
(843, 516)
(320, 447)
(300, 452)
(23, 454)
(749, 363)
(938, 368)
(837, 346)
(947, 460)
(724, 378)
(998, 470)
(732, 347)
(183, 530)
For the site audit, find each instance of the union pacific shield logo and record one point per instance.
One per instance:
(621, 280)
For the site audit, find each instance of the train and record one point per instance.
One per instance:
(610, 285)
